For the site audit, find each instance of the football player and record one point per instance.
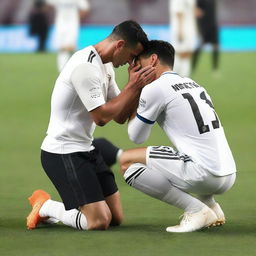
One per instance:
(201, 162)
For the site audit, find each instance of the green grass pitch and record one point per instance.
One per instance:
(26, 82)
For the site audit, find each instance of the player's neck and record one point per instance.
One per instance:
(161, 69)
(104, 50)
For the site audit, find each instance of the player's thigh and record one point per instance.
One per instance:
(115, 206)
(74, 176)
(170, 163)
(130, 156)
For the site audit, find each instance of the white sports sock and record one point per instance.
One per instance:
(154, 184)
(56, 210)
(51, 220)
(207, 199)
(62, 58)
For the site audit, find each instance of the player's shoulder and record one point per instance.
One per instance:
(154, 89)
(88, 53)
(89, 56)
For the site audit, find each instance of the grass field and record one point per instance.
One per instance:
(26, 85)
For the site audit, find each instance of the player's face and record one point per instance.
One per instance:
(143, 61)
(124, 55)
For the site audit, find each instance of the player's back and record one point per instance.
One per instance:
(190, 121)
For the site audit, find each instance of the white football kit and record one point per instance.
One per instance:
(187, 9)
(67, 20)
(184, 110)
(84, 84)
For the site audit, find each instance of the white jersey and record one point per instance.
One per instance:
(184, 110)
(84, 84)
(67, 20)
(187, 9)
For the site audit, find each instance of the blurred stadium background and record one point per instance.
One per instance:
(237, 21)
(26, 83)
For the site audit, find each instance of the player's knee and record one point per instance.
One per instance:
(100, 223)
(124, 163)
(123, 169)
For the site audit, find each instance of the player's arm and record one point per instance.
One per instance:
(150, 106)
(120, 107)
(139, 129)
(87, 83)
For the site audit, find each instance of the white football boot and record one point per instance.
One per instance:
(220, 215)
(195, 221)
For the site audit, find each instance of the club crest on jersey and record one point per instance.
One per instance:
(95, 92)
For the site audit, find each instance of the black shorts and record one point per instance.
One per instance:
(80, 178)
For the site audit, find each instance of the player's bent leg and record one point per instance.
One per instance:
(98, 215)
(44, 209)
(155, 184)
(223, 184)
(210, 202)
(151, 182)
(115, 206)
(131, 156)
(56, 210)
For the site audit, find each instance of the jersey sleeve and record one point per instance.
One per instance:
(151, 103)
(87, 83)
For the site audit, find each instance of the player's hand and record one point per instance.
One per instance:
(139, 77)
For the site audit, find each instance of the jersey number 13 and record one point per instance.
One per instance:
(202, 127)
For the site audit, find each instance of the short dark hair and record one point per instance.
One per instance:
(164, 50)
(131, 32)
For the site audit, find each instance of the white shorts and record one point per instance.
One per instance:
(185, 174)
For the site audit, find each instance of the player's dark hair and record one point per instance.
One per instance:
(131, 32)
(163, 49)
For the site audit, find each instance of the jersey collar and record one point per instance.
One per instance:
(169, 72)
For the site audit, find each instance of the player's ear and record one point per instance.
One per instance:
(120, 44)
(153, 59)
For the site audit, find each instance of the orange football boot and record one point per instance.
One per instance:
(38, 198)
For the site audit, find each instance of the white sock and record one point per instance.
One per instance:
(154, 184)
(62, 58)
(51, 220)
(56, 210)
(207, 199)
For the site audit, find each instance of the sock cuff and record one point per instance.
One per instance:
(81, 222)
